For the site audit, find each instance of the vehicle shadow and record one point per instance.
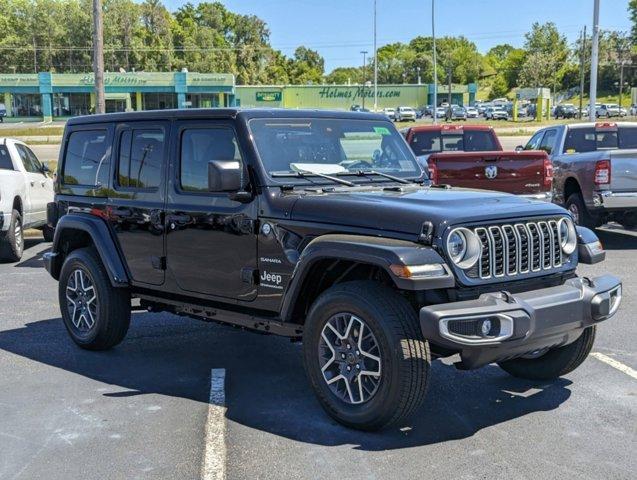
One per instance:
(617, 238)
(36, 261)
(266, 388)
(29, 243)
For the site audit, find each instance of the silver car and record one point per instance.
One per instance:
(405, 114)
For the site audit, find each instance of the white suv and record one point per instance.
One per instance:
(25, 190)
(405, 114)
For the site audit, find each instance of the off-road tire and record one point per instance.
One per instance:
(554, 363)
(48, 233)
(404, 353)
(12, 240)
(113, 312)
(584, 218)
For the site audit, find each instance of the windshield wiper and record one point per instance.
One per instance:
(304, 174)
(364, 173)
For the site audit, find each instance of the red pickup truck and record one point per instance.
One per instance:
(471, 156)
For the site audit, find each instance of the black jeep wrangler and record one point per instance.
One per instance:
(322, 227)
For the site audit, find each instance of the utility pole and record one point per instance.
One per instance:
(433, 36)
(364, 52)
(582, 67)
(621, 81)
(375, 64)
(98, 57)
(449, 81)
(418, 72)
(594, 61)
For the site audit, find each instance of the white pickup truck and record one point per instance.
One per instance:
(26, 187)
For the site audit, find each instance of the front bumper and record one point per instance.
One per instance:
(523, 323)
(615, 200)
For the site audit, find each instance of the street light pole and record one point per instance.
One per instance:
(98, 57)
(433, 35)
(364, 52)
(621, 81)
(375, 64)
(594, 60)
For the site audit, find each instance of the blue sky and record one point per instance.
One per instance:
(340, 29)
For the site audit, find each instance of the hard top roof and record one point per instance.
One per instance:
(199, 113)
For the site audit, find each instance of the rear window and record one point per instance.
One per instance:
(423, 143)
(5, 159)
(581, 140)
(87, 158)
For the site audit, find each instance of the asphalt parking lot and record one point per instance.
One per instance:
(143, 410)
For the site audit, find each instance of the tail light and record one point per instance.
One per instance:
(602, 172)
(548, 173)
(433, 171)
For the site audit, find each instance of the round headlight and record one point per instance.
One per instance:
(463, 247)
(568, 235)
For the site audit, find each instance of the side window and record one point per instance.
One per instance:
(141, 154)
(534, 143)
(548, 141)
(5, 159)
(87, 157)
(198, 147)
(36, 164)
(26, 160)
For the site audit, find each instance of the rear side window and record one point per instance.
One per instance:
(87, 158)
(479, 141)
(5, 159)
(581, 140)
(198, 147)
(141, 154)
(423, 143)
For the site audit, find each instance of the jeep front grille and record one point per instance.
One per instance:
(519, 248)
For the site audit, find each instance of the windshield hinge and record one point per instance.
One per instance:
(426, 233)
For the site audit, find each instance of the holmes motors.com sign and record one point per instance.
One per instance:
(354, 93)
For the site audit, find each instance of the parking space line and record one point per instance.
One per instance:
(214, 461)
(615, 364)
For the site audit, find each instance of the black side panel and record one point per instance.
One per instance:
(102, 240)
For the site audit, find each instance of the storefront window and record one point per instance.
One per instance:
(27, 105)
(71, 104)
(203, 100)
(159, 101)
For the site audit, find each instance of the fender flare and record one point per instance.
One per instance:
(377, 251)
(103, 242)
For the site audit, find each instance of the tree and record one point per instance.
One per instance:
(632, 12)
(307, 67)
(538, 70)
(345, 75)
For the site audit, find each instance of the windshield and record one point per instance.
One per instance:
(332, 146)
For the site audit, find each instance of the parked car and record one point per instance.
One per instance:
(405, 114)
(389, 113)
(358, 108)
(633, 110)
(471, 156)
(335, 238)
(472, 112)
(595, 169)
(608, 110)
(3, 112)
(441, 112)
(482, 107)
(458, 113)
(496, 113)
(25, 190)
(565, 110)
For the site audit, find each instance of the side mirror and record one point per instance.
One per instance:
(519, 148)
(224, 176)
(45, 168)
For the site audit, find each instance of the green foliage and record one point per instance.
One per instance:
(632, 12)
(146, 36)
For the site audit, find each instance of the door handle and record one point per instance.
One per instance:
(32, 183)
(43, 183)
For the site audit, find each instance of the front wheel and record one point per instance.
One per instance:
(95, 313)
(554, 363)
(365, 356)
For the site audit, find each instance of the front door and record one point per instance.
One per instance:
(138, 197)
(211, 240)
(40, 186)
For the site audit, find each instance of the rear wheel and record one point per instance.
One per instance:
(365, 356)
(12, 241)
(95, 313)
(581, 216)
(554, 363)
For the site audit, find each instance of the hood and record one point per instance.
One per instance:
(406, 211)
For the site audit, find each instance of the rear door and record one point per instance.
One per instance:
(37, 186)
(138, 197)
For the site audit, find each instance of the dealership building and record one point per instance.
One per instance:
(47, 96)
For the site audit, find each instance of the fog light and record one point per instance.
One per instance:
(486, 328)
